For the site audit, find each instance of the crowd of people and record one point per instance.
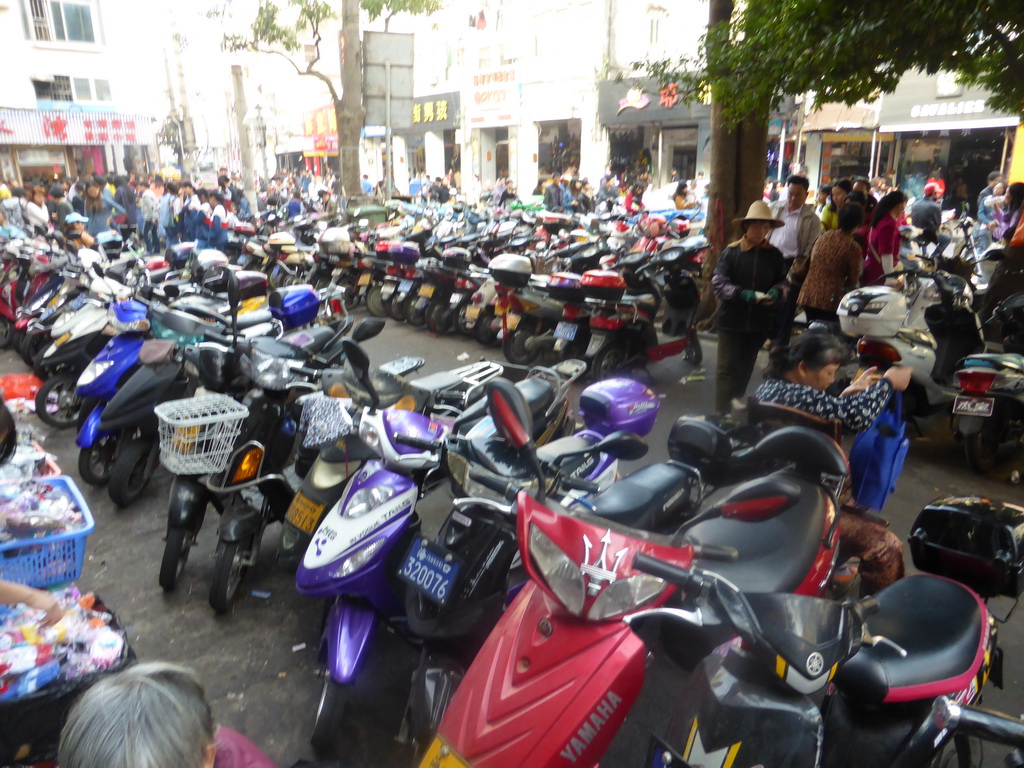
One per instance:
(794, 254)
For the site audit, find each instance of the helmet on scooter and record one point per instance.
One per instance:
(679, 227)
(872, 311)
(653, 225)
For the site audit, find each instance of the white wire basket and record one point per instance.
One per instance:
(197, 434)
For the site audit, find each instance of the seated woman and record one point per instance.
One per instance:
(151, 716)
(798, 377)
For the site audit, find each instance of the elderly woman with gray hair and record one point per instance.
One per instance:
(151, 715)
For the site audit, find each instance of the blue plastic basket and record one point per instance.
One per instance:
(49, 560)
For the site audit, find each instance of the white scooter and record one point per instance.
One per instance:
(879, 316)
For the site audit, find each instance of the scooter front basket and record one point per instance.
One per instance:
(198, 433)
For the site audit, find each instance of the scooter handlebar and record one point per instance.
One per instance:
(681, 577)
(421, 443)
(507, 490)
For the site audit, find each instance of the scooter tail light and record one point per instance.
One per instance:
(570, 312)
(752, 510)
(879, 350)
(976, 382)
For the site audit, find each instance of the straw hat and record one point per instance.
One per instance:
(759, 211)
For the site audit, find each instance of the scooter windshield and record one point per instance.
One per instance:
(810, 634)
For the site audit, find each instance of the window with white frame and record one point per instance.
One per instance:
(91, 90)
(63, 21)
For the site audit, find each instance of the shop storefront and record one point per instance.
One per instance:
(558, 147)
(651, 130)
(492, 111)
(946, 131)
(430, 147)
(320, 141)
(37, 144)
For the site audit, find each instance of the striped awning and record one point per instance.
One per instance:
(39, 128)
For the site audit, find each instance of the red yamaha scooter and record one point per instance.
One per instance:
(561, 670)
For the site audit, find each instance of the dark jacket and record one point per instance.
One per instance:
(760, 268)
(553, 198)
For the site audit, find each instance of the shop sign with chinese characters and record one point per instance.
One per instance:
(493, 98)
(438, 112)
(320, 132)
(31, 127)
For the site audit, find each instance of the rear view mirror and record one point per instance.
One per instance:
(360, 363)
(368, 328)
(508, 409)
(234, 298)
(995, 254)
(97, 269)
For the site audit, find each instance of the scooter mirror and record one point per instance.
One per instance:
(996, 254)
(627, 446)
(97, 268)
(368, 328)
(360, 363)
(512, 418)
(234, 291)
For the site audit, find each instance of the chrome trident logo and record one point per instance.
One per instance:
(598, 571)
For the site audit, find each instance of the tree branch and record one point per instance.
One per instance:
(1013, 62)
(299, 70)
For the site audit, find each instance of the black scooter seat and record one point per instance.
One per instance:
(775, 554)
(646, 498)
(311, 339)
(939, 623)
(538, 394)
(433, 383)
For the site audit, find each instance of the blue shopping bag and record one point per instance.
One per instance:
(878, 454)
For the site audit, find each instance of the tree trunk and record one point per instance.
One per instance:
(349, 108)
(738, 162)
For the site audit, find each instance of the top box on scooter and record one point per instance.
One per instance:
(456, 258)
(336, 241)
(603, 284)
(295, 305)
(404, 253)
(565, 286)
(976, 541)
(556, 222)
(613, 404)
(512, 270)
(872, 311)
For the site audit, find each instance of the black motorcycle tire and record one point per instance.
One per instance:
(396, 307)
(351, 296)
(439, 318)
(18, 339)
(31, 346)
(131, 472)
(329, 714)
(694, 353)
(514, 348)
(176, 551)
(228, 575)
(62, 386)
(463, 325)
(375, 303)
(484, 331)
(415, 317)
(6, 333)
(96, 461)
(608, 361)
(982, 448)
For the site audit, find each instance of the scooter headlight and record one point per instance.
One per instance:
(560, 572)
(354, 562)
(366, 499)
(625, 595)
(368, 434)
(93, 371)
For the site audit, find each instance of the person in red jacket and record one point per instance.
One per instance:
(151, 715)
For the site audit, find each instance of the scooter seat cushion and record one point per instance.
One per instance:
(775, 554)
(941, 625)
(538, 395)
(645, 499)
(435, 382)
(249, 319)
(311, 339)
(1013, 363)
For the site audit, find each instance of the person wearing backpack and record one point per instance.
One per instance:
(798, 377)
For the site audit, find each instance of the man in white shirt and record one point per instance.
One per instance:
(795, 238)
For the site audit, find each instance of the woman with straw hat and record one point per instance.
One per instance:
(749, 280)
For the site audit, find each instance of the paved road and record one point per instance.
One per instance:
(259, 663)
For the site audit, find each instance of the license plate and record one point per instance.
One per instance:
(304, 513)
(440, 755)
(243, 260)
(61, 339)
(472, 313)
(429, 570)
(404, 286)
(500, 309)
(661, 755)
(78, 302)
(364, 279)
(47, 313)
(511, 322)
(566, 331)
(974, 406)
(455, 298)
(596, 342)
(426, 291)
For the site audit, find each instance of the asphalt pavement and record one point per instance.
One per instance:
(259, 663)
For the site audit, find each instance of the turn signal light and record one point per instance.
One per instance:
(878, 350)
(975, 382)
(249, 466)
